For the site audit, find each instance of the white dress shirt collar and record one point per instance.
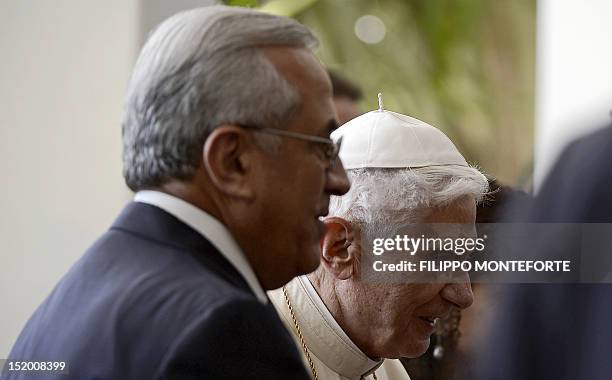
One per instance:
(209, 227)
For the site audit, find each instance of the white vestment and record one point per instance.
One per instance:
(334, 355)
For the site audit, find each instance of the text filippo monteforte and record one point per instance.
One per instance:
(428, 247)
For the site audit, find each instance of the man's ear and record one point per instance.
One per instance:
(227, 161)
(337, 255)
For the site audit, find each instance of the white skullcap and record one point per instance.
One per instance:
(385, 139)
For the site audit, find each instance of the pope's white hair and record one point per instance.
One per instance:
(393, 196)
(200, 69)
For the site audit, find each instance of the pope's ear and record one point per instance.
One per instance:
(337, 257)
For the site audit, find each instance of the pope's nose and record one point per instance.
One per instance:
(459, 294)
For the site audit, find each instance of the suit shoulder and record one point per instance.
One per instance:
(234, 331)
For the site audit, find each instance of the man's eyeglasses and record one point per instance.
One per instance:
(332, 148)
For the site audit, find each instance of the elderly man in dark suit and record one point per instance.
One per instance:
(226, 144)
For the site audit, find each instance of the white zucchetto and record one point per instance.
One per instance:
(385, 139)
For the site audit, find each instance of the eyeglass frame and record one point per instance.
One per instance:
(330, 155)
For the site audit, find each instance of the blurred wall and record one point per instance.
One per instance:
(574, 75)
(63, 71)
(155, 11)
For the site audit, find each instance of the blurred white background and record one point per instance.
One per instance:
(573, 75)
(64, 67)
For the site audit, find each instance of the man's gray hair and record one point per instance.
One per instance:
(393, 196)
(200, 69)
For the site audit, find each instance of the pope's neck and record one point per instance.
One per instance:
(348, 318)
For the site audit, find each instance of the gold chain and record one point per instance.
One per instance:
(299, 334)
(301, 337)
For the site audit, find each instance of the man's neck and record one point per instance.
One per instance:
(221, 209)
(190, 193)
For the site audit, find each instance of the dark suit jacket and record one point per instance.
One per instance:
(562, 331)
(154, 299)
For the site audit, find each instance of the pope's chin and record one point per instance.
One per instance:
(415, 348)
(420, 347)
(416, 342)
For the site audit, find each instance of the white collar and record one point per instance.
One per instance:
(323, 335)
(209, 227)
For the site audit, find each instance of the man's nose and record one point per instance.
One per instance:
(338, 182)
(459, 293)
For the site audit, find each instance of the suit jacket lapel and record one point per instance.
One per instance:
(152, 223)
